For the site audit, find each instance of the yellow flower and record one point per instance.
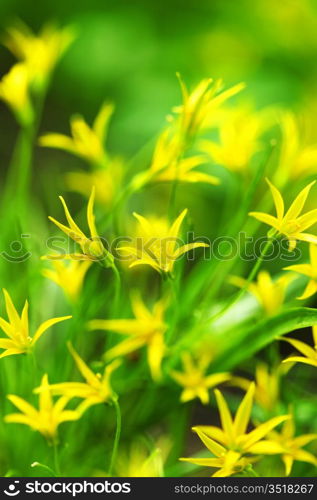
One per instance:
(289, 446)
(239, 133)
(291, 224)
(86, 142)
(40, 53)
(168, 162)
(47, 418)
(69, 277)
(14, 90)
(270, 294)
(16, 329)
(106, 180)
(194, 379)
(198, 106)
(267, 385)
(230, 443)
(138, 462)
(309, 353)
(158, 248)
(94, 391)
(146, 329)
(296, 157)
(309, 270)
(92, 247)
(167, 166)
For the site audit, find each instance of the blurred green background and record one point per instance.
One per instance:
(129, 52)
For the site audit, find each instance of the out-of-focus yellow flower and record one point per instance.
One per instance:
(267, 385)
(146, 329)
(86, 142)
(296, 158)
(168, 162)
(69, 277)
(198, 106)
(40, 53)
(106, 181)
(16, 329)
(230, 443)
(47, 418)
(270, 294)
(95, 390)
(194, 380)
(92, 248)
(289, 445)
(291, 224)
(309, 353)
(158, 247)
(168, 166)
(309, 270)
(14, 90)
(239, 134)
(138, 462)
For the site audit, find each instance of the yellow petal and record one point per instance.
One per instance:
(155, 353)
(310, 290)
(46, 325)
(13, 316)
(58, 141)
(88, 374)
(278, 200)
(186, 248)
(215, 448)
(299, 202)
(91, 216)
(266, 218)
(203, 462)
(225, 416)
(101, 122)
(244, 411)
(267, 447)
(23, 406)
(125, 347)
(263, 429)
(302, 347)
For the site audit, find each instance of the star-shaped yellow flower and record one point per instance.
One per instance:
(158, 247)
(69, 277)
(194, 379)
(270, 294)
(92, 247)
(86, 142)
(199, 104)
(309, 270)
(240, 129)
(16, 329)
(231, 445)
(146, 329)
(267, 385)
(47, 418)
(95, 390)
(291, 224)
(289, 445)
(41, 52)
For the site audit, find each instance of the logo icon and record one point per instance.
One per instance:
(13, 491)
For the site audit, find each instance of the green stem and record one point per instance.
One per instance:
(56, 460)
(117, 436)
(117, 286)
(250, 278)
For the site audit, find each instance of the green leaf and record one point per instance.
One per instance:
(249, 341)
